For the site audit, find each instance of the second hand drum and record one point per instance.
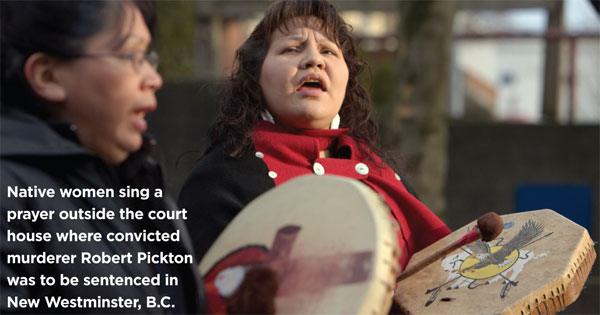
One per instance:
(538, 265)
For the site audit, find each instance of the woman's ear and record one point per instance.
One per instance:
(40, 71)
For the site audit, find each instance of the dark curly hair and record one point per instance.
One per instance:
(241, 102)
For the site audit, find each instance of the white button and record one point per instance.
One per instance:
(272, 174)
(397, 176)
(318, 168)
(362, 169)
(259, 155)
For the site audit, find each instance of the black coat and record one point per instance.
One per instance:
(218, 188)
(46, 155)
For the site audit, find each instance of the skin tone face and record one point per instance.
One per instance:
(303, 77)
(107, 98)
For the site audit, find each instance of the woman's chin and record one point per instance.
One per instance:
(114, 158)
(121, 151)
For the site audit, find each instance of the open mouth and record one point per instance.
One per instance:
(311, 82)
(314, 84)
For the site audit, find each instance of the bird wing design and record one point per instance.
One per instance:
(479, 247)
(528, 232)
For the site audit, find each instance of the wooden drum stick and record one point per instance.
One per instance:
(489, 226)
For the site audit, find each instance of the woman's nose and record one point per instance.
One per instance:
(152, 79)
(312, 58)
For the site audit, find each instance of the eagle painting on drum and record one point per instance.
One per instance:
(482, 264)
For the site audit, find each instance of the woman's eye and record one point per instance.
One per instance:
(290, 49)
(329, 52)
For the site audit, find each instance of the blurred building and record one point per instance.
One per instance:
(509, 58)
(499, 53)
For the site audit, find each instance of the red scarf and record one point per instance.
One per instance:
(288, 155)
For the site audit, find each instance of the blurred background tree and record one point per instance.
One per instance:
(175, 32)
(420, 116)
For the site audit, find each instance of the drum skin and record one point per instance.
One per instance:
(538, 265)
(330, 240)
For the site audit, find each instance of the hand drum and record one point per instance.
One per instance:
(330, 240)
(537, 265)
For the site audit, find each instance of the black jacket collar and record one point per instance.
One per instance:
(25, 135)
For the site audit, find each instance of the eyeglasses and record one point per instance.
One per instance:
(137, 59)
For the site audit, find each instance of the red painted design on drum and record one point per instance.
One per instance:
(245, 256)
(303, 275)
(317, 274)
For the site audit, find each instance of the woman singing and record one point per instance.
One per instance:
(293, 106)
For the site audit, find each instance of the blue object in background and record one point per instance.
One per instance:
(571, 201)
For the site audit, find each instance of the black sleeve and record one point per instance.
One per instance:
(409, 188)
(15, 248)
(216, 191)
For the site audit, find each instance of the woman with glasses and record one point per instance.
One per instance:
(77, 84)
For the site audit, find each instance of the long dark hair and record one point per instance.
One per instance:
(242, 102)
(57, 28)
